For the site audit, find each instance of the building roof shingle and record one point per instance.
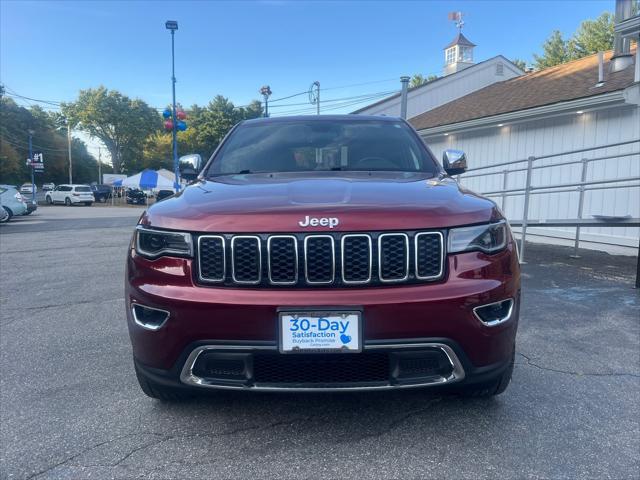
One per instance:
(569, 81)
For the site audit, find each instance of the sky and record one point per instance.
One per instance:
(51, 49)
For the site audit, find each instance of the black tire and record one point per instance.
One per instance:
(160, 392)
(9, 214)
(28, 212)
(67, 202)
(48, 200)
(492, 388)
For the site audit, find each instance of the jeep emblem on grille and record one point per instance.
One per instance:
(322, 222)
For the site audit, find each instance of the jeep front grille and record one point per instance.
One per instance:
(320, 260)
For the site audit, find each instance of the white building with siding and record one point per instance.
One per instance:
(461, 77)
(559, 109)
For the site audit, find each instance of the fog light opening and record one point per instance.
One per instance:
(494, 313)
(149, 317)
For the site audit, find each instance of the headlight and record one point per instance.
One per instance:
(487, 238)
(156, 243)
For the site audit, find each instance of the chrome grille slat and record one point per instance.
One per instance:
(393, 257)
(428, 255)
(214, 266)
(321, 271)
(331, 259)
(282, 259)
(246, 260)
(356, 257)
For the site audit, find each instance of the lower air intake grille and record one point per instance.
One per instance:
(318, 368)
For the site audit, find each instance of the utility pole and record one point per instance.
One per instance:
(173, 26)
(33, 178)
(99, 166)
(266, 93)
(69, 146)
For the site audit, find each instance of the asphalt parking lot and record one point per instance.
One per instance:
(71, 407)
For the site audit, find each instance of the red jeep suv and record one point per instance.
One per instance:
(327, 253)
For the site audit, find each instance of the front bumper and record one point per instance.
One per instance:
(404, 365)
(423, 315)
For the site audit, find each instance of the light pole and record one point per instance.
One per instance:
(69, 147)
(33, 178)
(173, 26)
(99, 165)
(266, 93)
(68, 127)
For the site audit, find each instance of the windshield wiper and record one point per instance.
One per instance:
(241, 172)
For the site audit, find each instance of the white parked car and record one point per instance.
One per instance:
(70, 195)
(48, 186)
(28, 188)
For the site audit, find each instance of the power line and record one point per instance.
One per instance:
(57, 104)
(50, 102)
(332, 100)
(338, 105)
(361, 84)
(290, 96)
(37, 147)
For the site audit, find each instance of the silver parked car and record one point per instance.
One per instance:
(12, 202)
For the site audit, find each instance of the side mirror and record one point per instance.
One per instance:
(190, 166)
(454, 162)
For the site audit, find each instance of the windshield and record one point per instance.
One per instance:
(322, 145)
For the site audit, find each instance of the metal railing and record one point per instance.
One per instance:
(581, 187)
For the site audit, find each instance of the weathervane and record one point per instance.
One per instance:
(456, 17)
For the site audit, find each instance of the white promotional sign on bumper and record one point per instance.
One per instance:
(320, 331)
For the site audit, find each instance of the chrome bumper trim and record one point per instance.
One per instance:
(187, 377)
(497, 321)
(144, 325)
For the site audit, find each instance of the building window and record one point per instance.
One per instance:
(499, 69)
(450, 55)
(466, 54)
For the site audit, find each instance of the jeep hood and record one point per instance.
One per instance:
(361, 201)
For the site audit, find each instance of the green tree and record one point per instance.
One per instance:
(15, 122)
(206, 127)
(121, 123)
(554, 51)
(592, 36)
(418, 79)
(521, 64)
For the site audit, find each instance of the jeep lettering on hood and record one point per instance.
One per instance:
(323, 222)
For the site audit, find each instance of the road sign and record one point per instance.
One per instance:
(37, 163)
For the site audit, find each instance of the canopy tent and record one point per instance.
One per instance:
(147, 179)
